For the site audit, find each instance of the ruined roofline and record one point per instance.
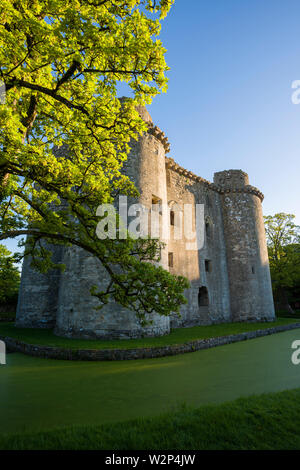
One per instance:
(172, 165)
(160, 135)
(152, 129)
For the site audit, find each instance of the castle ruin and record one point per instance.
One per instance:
(229, 276)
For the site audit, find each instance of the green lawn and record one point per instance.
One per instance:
(269, 421)
(177, 336)
(10, 315)
(286, 314)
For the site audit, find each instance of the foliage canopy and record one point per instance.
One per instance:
(283, 239)
(9, 277)
(61, 62)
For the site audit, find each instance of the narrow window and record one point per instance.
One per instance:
(207, 229)
(207, 265)
(156, 204)
(253, 270)
(172, 217)
(170, 260)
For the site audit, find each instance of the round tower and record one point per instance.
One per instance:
(246, 250)
(77, 315)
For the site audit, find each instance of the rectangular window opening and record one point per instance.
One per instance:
(156, 204)
(172, 218)
(207, 265)
(170, 260)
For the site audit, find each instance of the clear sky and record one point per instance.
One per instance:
(229, 105)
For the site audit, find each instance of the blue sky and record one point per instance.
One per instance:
(229, 105)
(229, 99)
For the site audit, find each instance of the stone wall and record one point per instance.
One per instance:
(38, 293)
(229, 276)
(247, 256)
(206, 267)
(77, 315)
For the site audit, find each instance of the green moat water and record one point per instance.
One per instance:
(38, 394)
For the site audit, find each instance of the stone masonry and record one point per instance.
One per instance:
(229, 276)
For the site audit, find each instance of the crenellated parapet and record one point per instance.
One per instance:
(152, 129)
(246, 189)
(159, 135)
(234, 181)
(229, 274)
(172, 165)
(229, 181)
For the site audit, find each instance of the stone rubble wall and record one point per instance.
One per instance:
(238, 283)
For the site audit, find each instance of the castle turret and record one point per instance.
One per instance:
(76, 313)
(229, 273)
(247, 256)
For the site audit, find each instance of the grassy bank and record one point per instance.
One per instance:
(177, 336)
(5, 315)
(286, 314)
(269, 421)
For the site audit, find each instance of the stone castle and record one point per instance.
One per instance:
(229, 276)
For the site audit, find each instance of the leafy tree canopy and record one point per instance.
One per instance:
(9, 277)
(61, 62)
(283, 239)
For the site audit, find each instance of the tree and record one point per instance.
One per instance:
(61, 62)
(9, 277)
(283, 239)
